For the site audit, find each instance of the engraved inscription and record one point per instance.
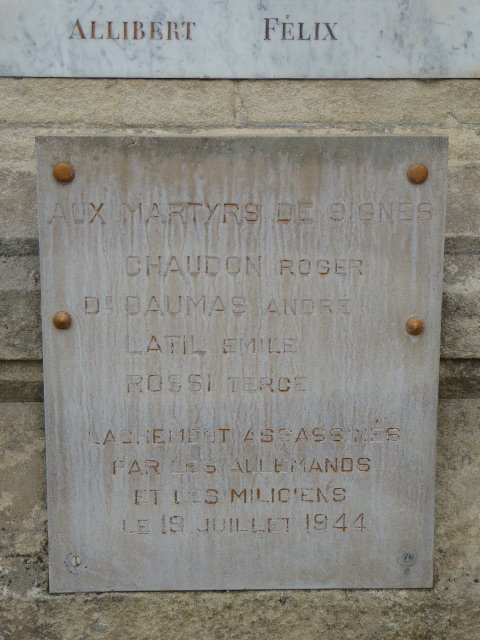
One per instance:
(132, 30)
(240, 39)
(237, 388)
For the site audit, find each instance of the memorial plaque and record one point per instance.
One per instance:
(240, 39)
(241, 351)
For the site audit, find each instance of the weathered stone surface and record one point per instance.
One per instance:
(464, 198)
(22, 486)
(21, 381)
(458, 479)
(246, 615)
(14, 247)
(331, 319)
(20, 331)
(461, 306)
(359, 103)
(196, 103)
(450, 610)
(467, 244)
(19, 273)
(459, 378)
(137, 102)
(17, 204)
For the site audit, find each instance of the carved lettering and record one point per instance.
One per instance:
(134, 30)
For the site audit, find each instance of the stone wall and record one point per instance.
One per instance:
(43, 106)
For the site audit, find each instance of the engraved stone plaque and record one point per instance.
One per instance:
(240, 39)
(238, 402)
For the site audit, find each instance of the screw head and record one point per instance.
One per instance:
(62, 320)
(75, 561)
(408, 560)
(415, 326)
(417, 173)
(63, 172)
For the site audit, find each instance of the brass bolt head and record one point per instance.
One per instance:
(62, 320)
(415, 326)
(63, 172)
(417, 173)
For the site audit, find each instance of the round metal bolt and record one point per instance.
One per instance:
(415, 326)
(62, 320)
(417, 173)
(63, 172)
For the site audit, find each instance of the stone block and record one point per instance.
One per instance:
(116, 103)
(463, 198)
(340, 102)
(18, 204)
(20, 331)
(461, 306)
(21, 381)
(22, 479)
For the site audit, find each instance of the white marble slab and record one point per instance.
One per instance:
(238, 404)
(240, 38)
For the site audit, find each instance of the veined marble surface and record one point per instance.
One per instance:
(237, 403)
(240, 38)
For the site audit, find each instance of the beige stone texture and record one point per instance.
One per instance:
(360, 103)
(20, 332)
(21, 381)
(461, 306)
(30, 107)
(117, 103)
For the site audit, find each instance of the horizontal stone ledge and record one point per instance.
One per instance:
(22, 381)
(124, 102)
(337, 102)
(462, 243)
(14, 247)
(459, 378)
(119, 103)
